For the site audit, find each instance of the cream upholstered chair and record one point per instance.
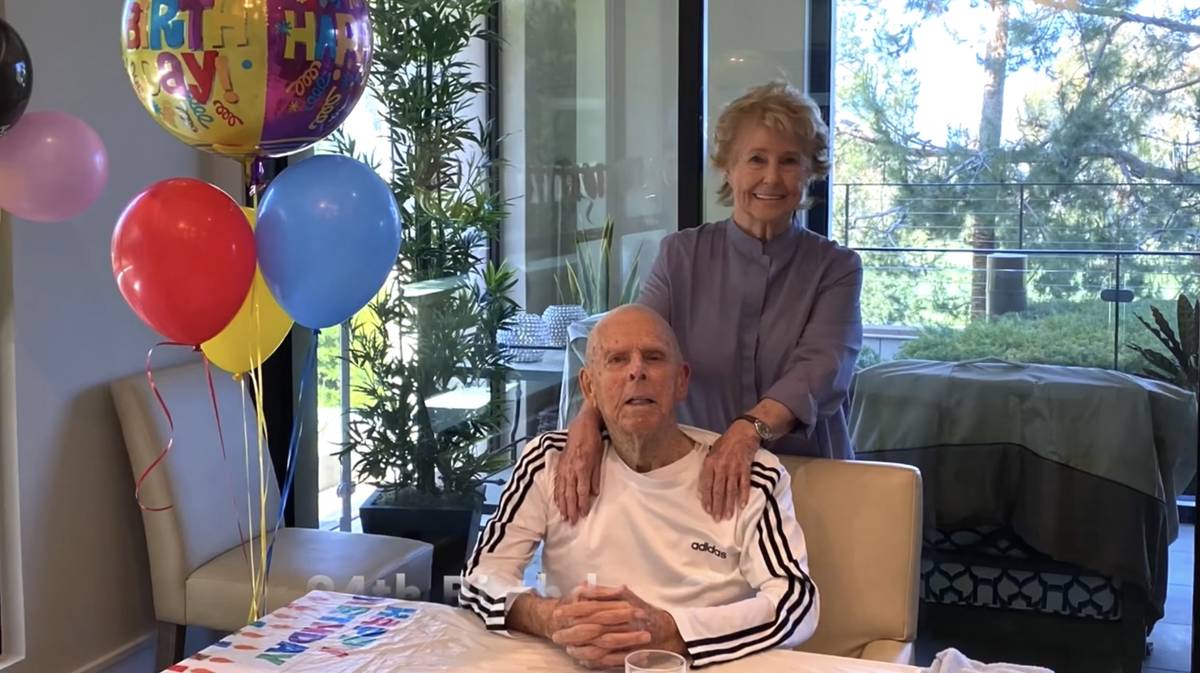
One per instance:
(862, 525)
(199, 573)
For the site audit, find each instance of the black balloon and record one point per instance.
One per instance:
(16, 76)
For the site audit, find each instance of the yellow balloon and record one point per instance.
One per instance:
(257, 330)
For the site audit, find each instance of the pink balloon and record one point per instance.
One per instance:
(53, 166)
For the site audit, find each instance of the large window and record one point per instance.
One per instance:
(589, 109)
(337, 497)
(749, 43)
(1021, 178)
(586, 96)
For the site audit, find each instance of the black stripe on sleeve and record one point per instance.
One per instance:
(777, 556)
(528, 466)
(492, 608)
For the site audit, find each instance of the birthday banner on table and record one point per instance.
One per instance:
(320, 627)
(246, 78)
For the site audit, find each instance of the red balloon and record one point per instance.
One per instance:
(183, 256)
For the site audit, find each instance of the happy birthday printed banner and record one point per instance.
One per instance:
(319, 629)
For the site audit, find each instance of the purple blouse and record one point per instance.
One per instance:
(778, 319)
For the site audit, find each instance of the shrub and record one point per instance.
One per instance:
(1054, 332)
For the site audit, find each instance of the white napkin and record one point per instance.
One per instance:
(953, 661)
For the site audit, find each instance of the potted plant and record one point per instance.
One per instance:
(588, 285)
(429, 342)
(1180, 364)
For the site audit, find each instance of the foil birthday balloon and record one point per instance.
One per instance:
(246, 78)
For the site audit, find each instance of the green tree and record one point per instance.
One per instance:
(1119, 103)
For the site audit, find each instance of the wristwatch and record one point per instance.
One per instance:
(764, 431)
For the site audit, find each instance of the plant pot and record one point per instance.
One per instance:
(450, 525)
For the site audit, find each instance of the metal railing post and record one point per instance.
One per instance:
(1020, 215)
(1117, 319)
(846, 217)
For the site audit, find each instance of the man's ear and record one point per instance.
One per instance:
(585, 386)
(682, 380)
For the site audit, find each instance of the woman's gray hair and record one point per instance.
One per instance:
(779, 106)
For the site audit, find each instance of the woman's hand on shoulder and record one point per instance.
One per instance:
(725, 477)
(577, 478)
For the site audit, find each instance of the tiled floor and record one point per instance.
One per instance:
(1172, 636)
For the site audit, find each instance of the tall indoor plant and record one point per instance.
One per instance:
(432, 329)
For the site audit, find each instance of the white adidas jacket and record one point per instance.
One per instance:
(734, 587)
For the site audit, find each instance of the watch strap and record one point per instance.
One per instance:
(760, 426)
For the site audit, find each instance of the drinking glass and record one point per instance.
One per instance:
(655, 661)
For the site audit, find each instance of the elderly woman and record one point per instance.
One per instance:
(765, 311)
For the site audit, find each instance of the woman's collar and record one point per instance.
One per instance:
(781, 243)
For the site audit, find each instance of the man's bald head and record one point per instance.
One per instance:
(624, 318)
(634, 374)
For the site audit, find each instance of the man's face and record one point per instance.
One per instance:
(634, 375)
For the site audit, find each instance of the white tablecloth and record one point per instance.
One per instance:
(326, 632)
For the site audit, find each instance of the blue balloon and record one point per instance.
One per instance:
(328, 234)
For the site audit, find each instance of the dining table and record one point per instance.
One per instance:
(328, 632)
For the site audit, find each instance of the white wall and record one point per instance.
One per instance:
(68, 332)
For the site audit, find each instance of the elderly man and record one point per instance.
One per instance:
(648, 568)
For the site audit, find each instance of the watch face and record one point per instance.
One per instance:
(764, 430)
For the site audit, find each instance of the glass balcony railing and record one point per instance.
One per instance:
(1039, 273)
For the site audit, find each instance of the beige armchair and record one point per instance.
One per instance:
(862, 524)
(199, 573)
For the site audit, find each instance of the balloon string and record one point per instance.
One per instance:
(137, 490)
(258, 584)
(253, 174)
(294, 443)
(263, 442)
(258, 362)
(249, 505)
(253, 170)
(260, 580)
(212, 395)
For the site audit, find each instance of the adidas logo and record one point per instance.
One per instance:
(712, 549)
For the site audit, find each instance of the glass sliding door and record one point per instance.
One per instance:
(589, 114)
(750, 42)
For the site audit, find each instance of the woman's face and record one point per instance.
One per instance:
(768, 173)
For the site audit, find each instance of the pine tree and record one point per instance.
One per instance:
(1124, 107)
